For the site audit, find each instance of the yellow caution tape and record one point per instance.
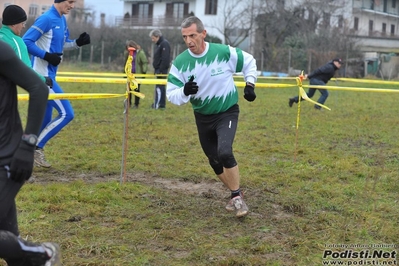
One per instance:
(108, 80)
(265, 85)
(303, 95)
(350, 88)
(375, 81)
(74, 96)
(156, 82)
(81, 96)
(97, 74)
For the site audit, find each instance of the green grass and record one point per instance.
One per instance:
(339, 185)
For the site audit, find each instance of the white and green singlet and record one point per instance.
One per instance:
(213, 71)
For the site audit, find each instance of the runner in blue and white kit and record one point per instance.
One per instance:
(46, 39)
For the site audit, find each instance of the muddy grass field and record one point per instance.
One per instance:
(332, 182)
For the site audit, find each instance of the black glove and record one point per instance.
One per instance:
(49, 82)
(249, 93)
(83, 39)
(190, 87)
(22, 163)
(53, 58)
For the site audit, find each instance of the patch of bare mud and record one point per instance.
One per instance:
(208, 188)
(203, 188)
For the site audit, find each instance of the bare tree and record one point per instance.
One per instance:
(238, 21)
(308, 31)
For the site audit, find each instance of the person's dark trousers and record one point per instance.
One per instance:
(162, 100)
(159, 93)
(324, 93)
(8, 191)
(311, 92)
(136, 99)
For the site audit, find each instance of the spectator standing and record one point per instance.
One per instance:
(319, 77)
(17, 147)
(139, 66)
(203, 75)
(161, 63)
(46, 39)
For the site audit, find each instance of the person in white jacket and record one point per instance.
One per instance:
(203, 75)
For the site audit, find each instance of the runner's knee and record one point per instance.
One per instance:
(216, 166)
(226, 157)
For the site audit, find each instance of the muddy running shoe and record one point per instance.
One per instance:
(40, 160)
(230, 205)
(237, 204)
(53, 250)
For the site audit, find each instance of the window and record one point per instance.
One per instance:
(176, 10)
(142, 10)
(340, 21)
(356, 24)
(280, 4)
(393, 3)
(211, 7)
(311, 15)
(371, 23)
(384, 28)
(33, 10)
(45, 8)
(392, 29)
(326, 19)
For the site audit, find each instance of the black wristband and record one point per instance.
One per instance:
(250, 84)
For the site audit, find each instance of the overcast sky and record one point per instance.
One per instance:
(111, 8)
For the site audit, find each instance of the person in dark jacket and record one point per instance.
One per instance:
(17, 148)
(161, 62)
(319, 77)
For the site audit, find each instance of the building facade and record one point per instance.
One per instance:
(376, 24)
(219, 16)
(34, 8)
(369, 21)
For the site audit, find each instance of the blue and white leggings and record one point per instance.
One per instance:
(51, 126)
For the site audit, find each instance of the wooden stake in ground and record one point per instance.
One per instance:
(131, 84)
(125, 136)
(299, 83)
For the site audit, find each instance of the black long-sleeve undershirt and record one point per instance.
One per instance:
(14, 72)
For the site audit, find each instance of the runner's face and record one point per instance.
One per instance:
(17, 28)
(66, 6)
(194, 40)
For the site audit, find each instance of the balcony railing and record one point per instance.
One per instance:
(376, 9)
(148, 22)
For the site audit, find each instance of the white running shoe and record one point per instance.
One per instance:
(238, 204)
(40, 160)
(53, 250)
